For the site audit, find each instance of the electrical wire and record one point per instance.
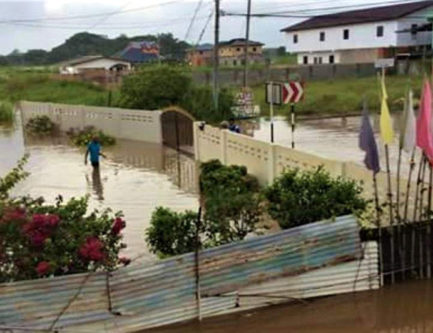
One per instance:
(304, 13)
(205, 27)
(79, 17)
(197, 9)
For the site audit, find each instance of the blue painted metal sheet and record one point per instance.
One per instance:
(154, 294)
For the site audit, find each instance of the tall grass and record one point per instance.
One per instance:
(6, 112)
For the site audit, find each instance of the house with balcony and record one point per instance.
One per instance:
(362, 36)
(231, 53)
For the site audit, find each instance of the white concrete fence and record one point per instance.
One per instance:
(266, 161)
(137, 125)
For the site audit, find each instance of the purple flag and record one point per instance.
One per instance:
(367, 143)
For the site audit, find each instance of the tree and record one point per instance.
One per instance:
(159, 86)
(155, 87)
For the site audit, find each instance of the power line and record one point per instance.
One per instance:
(304, 13)
(108, 16)
(173, 22)
(77, 17)
(204, 28)
(197, 9)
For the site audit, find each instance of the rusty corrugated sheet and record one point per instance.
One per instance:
(161, 293)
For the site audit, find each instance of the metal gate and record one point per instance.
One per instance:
(177, 130)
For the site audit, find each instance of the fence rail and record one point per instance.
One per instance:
(137, 125)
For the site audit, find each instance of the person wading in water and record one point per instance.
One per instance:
(94, 150)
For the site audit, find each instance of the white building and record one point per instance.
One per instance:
(94, 63)
(361, 36)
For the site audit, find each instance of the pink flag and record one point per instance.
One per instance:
(424, 138)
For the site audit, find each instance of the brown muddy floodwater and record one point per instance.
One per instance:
(332, 138)
(404, 308)
(135, 178)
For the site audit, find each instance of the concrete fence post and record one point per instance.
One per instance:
(196, 141)
(272, 160)
(223, 144)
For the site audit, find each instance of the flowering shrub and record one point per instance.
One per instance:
(83, 137)
(39, 240)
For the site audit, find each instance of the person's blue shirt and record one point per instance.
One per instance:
(94, 149)
(234, 128)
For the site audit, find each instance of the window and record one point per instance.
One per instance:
(316, 60)
(254, 49)
(322, 36)
(235, 63)
(346, 34)
(320, 60)
(305, 60)
(413, 31)
(331, 59)
(238, 49)
(295, 39)
(379, 31)
(201, 52)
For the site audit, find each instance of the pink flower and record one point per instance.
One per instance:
(16, 214)
(40, 228)
(38, 238)
(92, 249)
(118, 225)
(125, 261)
(43, 268)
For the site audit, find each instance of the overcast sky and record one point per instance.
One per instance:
(44, 24)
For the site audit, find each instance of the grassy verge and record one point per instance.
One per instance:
(40, 87)
(331, 97)
(345, 96)
(6, 112)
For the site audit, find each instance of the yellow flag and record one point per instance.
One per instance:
(386, 130)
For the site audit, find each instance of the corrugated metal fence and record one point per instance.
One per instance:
(316, 259)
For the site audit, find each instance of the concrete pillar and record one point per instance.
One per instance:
(272, 160)
(223, 145)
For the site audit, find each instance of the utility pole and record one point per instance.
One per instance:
(216, 55)
(247, 42)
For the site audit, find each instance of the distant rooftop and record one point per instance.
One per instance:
(240, 42)
(88, 58)
(373, 14)
(139, 52)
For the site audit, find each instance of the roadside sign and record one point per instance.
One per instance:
(293, 92)
(274, 93)
(384, 63)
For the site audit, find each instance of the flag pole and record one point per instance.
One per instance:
(429, 205)
(418, 183)
(420, 216)
(379, 227)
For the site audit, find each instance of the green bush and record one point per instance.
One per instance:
(231, 200)
(154, 87)
(301, 197)
(39, 240)
(83, 137)
(159, 86)
(171, 233)
(232, 209)
(40, 125)
(6, 112)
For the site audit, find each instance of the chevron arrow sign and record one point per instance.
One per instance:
(293, 92)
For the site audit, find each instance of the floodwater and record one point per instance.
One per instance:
(407, 307)
(135, 178)
(332, 138)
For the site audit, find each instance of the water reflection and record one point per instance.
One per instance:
(96, 183)
(135, 178)
(406, 307)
